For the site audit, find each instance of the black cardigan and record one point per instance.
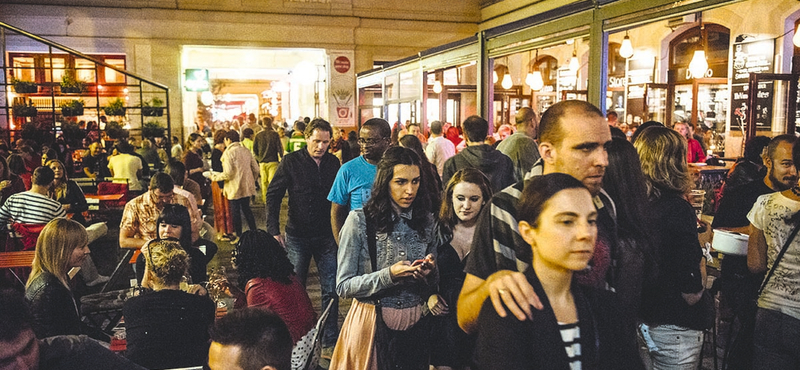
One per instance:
(605, 339)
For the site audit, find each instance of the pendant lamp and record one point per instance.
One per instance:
(626, 49)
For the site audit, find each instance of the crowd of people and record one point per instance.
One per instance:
(562, 243)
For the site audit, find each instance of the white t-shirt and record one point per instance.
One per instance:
(126, 166)
(782, 292)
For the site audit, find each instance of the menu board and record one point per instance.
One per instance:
(752, 57)
(639, 73)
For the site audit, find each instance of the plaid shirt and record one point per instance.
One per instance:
(141, 214)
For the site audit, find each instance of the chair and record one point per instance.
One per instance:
(104, 188)
(117, 270)
(307, 351)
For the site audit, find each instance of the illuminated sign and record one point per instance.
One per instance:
(196, 80)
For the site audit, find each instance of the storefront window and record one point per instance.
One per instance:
(84, 70)
(24, 69)
(112, 76)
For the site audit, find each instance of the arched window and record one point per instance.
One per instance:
(716, 39)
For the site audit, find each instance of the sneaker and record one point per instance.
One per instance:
(327, 353)
(100, 280)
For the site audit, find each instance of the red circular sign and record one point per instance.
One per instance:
(341, 64)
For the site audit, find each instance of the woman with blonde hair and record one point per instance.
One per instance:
(71, 197)
(673, 315)
(62, 245)
(167, 328)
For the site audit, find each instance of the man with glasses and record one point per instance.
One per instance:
(353, 184)
(139, 217)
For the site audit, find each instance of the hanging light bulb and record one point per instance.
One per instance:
(529, 79)
(699, 65)
(574, 64)
(626, 49)
(437, 87)
(507, 83)
(796, 38)
(537, 83)
(494, 77)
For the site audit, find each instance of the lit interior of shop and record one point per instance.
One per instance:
(283, 83)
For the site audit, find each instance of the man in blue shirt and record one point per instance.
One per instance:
(353, 184)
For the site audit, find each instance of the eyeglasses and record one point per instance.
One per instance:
(370, 141)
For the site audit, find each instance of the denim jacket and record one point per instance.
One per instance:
(355, 278)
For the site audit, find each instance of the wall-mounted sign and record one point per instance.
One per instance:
(196, 80)
(752, 57)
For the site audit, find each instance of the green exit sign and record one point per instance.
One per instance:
(196, 80)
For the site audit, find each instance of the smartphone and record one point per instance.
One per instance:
(418, 262)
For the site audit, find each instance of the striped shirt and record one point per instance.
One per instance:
(30, 208)
(571, 335)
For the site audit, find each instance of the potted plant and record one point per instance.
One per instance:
(152, 129)
(115, 131)
(153, 107)
(115, 107)
(69, 85)
(24, 87)
(24, 108)
(72, 107)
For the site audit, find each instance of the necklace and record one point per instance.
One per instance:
(796, 191)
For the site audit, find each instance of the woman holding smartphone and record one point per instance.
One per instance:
(387, 263)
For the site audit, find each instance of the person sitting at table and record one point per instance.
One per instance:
(17, 167)
(29, 211)
(62, 245)
(67, 192)
(20, 349)
(174, 224)
(167, 328)
(268, 279)
(137, 226)
(72, 200)
(9, 182)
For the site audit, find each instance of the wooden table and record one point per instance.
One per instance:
(104, 197)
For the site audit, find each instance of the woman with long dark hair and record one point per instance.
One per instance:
(464, 198)
(673, 312)
(67, 192)
(412, 142)
(9, 182)
(267, 278)
(193, 159)
(387, 263)
(625, 184)
(223, 222)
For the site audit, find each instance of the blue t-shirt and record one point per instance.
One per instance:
(353, 184)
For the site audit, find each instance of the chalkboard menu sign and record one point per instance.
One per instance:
(752, 57)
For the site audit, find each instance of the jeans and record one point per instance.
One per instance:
(323, 249)
(776, 341)
(242, 204)
(669, 347)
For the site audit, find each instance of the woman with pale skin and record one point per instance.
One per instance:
(62, 245)
(464, 197)
(193, 159)
(578, 327)
(387, 262)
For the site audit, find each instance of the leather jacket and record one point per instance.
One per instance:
(52, 306)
